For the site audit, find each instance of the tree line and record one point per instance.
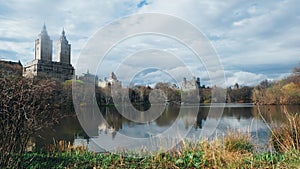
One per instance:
(285, 91)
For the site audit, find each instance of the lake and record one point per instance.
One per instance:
(163, 125)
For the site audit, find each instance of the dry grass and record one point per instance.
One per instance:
(232, 151)
(227, 152)
(286, 137)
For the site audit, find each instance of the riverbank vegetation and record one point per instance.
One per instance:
(286, 137)
(285, 91)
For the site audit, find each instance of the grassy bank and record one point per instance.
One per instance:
(234, 150)
(202, 155)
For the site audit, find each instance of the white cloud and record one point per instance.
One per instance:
(248, 35)
(244, 78)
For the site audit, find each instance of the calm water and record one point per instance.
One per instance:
(110, 128)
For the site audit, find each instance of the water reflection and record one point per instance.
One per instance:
(107, 125)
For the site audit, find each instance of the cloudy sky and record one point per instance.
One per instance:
(255, 40)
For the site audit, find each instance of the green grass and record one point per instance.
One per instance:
(184, 159)
(205, 154)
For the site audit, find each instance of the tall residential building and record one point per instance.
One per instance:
(43, 46)
(63, 49)
(43, 66)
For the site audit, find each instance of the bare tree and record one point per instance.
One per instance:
(26, 106)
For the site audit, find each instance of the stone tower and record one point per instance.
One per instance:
(43, 46)
(63, 49)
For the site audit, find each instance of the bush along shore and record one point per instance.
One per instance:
(234, 150)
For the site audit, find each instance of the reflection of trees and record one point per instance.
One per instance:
(112, 117)
(201, 116)
(238, 112)
(168, 116)
(90, 117)
(189, 115)
(275, 113)
(65, 130)
(171, 113)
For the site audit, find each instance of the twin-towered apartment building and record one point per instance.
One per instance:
(43, 64)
